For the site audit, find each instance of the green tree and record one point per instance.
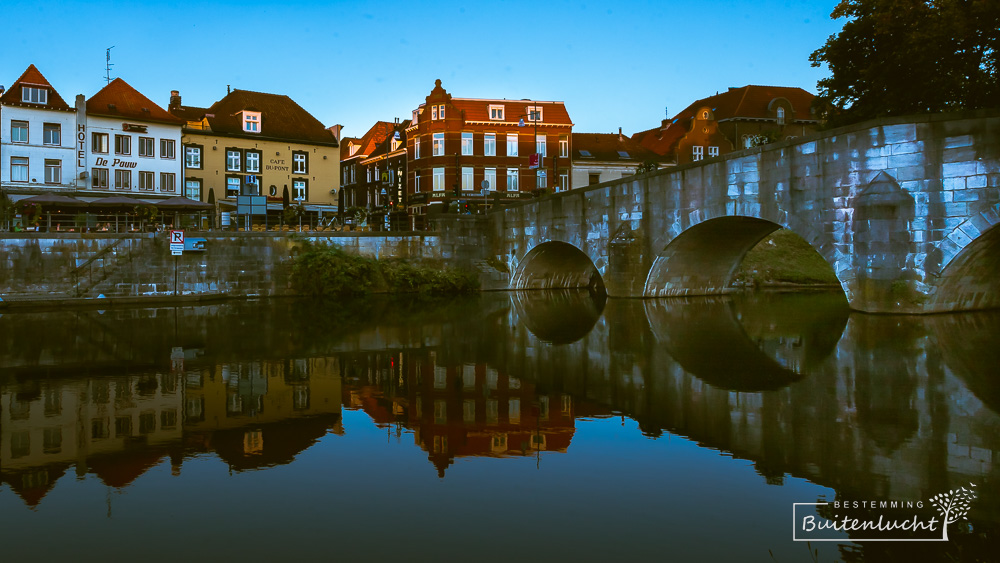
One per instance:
(900, 57)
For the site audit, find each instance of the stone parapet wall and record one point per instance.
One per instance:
(46, 265)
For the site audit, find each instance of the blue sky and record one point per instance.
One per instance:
(614, 64)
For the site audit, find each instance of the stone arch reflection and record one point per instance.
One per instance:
(559, 316)
(556, 265)
(749, 342)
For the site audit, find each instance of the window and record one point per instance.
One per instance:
(496, 113)
(438, 183)
(168, 181)
(704, 114)
(511, 144)
(416, 148)
(466, 143)
(416, 183)
(713, 151)
(192, 157)
(434, 113)
(232, 186)
(253, 161)
(299, 190)
(251, 121)
(100, 178)
(123, 179)
(563, 146)
(53, 171)
(192, 189)
(167, 148)
(441, 111)
(300, 164)
(593, 178)
(233, 158)
(697, 153)
(146, 146)
(563, 182)
(51, 134)
(19, 131)
(146, 181)
(34, 95)
(540, 145)
(99, 142)
(781, 116)
(490, 144)
(467, 178)
(512, 179)
(18, 169)
(490, 175)
(541, 179)
(534, 113)
(123, 144)
(438, 144)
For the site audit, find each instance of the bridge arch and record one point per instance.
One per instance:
(703, 259)
(971, 280)
(556, 265)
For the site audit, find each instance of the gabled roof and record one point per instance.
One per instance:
(749, 102)
(476, 109)
(381, 147)
(609, 147)
(369, 141)
(118, 99)
(32, 77)
(281, 118)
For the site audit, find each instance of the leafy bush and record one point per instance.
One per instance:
(328, 270)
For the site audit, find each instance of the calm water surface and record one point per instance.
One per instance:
(533, 426)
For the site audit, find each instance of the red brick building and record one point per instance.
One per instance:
(734, 120)
(373, 172)
(455, 144)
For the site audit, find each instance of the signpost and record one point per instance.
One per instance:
(176, 249)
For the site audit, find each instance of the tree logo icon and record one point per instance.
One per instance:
(954, 505)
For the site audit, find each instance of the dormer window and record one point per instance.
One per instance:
(496, 113)
(352, 148)
(394, 144)
(534, 113)
(34, 95)
(781, 116)
(251, 121)
(704, 114)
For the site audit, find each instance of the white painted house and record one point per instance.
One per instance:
(37, 139)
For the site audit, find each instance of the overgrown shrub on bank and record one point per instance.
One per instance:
(328, 270)
(784, 258)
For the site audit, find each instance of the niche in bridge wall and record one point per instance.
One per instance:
(882, 216)
(627, 270)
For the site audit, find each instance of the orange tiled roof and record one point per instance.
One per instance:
(475, 109)
(120, 100)
(33, 77)
(746, 103)
(369, 141)
(609, 147)
(281, 118)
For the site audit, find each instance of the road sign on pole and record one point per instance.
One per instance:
(176, 242)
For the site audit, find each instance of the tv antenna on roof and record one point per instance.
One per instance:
(109, 64)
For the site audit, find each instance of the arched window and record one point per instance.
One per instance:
(704, 114)
(781, 116)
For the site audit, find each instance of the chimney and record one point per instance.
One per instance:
(620, 138)
(336, 129)
(228, 91)
(175, 99)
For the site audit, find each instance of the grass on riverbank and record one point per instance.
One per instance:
(784, 258)
(328, 270)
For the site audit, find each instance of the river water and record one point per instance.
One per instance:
(530, 426)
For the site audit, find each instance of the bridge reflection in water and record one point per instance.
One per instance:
(872, 406)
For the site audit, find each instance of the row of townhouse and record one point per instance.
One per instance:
(453, 153)
(118, 142)
(475, 152)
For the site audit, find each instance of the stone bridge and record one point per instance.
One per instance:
(902, 209)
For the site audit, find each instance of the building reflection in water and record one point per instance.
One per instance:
(252, 415)
(871, 406)
(461, 410)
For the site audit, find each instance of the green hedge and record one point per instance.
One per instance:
(328, 270)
